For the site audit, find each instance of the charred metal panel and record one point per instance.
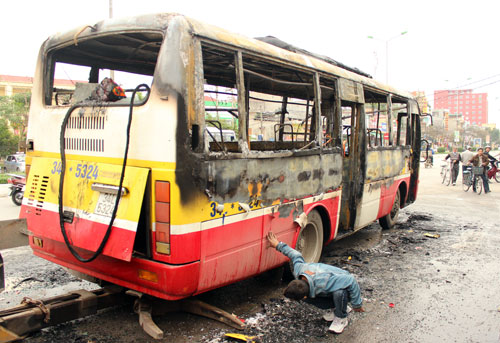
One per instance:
(270, 179)
(385, 162)
(351, 91)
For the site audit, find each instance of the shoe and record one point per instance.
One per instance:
(454, 184)
(329, 315)
(338, 324)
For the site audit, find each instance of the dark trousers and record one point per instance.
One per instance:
(454, 169)
(340, 303)
(486, 185)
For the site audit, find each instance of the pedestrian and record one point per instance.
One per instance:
(454, 157)
(481, 160)
(322, 280)
(465, 157)
(492, 159)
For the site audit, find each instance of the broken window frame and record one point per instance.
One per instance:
(49, 68)
(316, 142)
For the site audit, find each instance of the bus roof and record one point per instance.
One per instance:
(159, 22)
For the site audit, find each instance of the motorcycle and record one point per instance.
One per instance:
(494, 172)
(17, 186)
(428, 162)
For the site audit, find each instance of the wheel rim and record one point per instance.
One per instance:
(19, 198)
(479, 186)
(497, 176)
(306, 242)
(466, 183)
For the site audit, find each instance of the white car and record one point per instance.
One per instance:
(14, 163)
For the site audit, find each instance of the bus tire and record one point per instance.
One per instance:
(388, 221)
(310, 239)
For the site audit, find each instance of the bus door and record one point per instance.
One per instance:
(354, 143)
(413, 139)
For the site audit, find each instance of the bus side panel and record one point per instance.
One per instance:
(286, 231)
(369, 205)
(231, 249)
(173, 281)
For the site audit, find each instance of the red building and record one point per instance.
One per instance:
(473, 107)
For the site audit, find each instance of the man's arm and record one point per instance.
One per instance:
(292, 254)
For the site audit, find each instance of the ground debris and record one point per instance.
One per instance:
(282, 320)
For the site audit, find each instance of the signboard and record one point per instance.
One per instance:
(457, 137)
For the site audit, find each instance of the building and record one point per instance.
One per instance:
(10, 85)
(422, 101)
(473, 107)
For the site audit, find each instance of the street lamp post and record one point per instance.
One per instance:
(387, 52)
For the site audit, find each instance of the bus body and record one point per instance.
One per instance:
(193, 212)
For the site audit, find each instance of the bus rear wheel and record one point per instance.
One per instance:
(388, 221)
(310, 240)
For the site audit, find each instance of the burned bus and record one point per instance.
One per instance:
(127, 184)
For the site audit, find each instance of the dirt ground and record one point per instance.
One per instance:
(415, 288)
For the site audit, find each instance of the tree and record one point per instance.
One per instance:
(14, 109)
(8, 142)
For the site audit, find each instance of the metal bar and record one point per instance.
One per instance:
(243, 145)
(35, 315)
(389, 118)
(282, 118)
(317, 106)
(291, 83)
(105, 188)
(337, 119)
(2, 277)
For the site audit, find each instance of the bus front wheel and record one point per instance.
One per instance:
(310, 240)
(388, 221)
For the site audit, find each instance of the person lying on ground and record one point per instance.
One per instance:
(322, 280)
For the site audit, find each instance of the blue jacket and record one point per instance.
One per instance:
(323, 279)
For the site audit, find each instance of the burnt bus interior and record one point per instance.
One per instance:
(292, 119)
(305, 113)
(89, 60)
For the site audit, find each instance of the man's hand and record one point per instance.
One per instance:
(359, 309)
(271, 237)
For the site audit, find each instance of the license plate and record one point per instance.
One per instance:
(105, 204)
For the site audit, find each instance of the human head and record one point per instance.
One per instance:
(480, 151)
(487, 148)
(297, 290)
(454, 149)
(469, 147)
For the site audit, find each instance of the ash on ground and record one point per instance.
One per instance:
(376, 258)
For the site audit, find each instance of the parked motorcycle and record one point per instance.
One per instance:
(494, 172)
(17, 186)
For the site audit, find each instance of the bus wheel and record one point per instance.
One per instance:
(310, 240)
(387, 222)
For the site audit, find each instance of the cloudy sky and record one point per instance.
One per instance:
(448, 44)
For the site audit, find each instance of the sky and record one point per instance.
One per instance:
(448, 44)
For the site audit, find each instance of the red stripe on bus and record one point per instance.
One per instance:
(82, 233)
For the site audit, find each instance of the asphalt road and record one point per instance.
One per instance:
(7, 208)
(415, 288)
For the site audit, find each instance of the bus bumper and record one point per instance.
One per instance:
(166, 281)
